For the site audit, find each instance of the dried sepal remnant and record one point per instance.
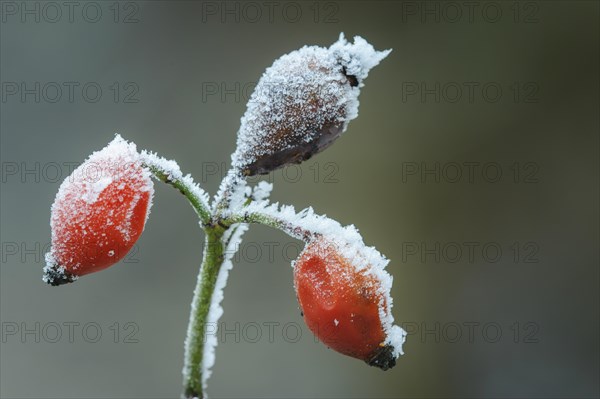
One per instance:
(99, 213)
(54, 274)
(302, 104)
(345, 302)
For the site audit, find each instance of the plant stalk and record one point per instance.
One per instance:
(212, 261)
(203, 293)
(186, 188)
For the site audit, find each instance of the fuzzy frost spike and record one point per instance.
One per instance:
(238, 195)
(358, 57)
(229, 189)
(261, 192)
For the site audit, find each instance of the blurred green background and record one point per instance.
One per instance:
(495, 276)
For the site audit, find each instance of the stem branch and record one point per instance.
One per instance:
(270, 221)
(215, 228)
(188, 188)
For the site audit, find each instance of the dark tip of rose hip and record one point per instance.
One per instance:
(296, 154)
(383, 358)
(56, 277)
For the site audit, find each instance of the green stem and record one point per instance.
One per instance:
(212, 261)
(207, 278)
(271, 221)
(185, 187)
(194, 345)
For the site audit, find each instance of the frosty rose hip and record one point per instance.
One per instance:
(302, 104)
(344, 302)
(99, 213)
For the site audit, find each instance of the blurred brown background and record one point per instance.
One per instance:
(473, 166)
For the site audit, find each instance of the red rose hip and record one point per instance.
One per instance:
(345, 304)
(99, 213)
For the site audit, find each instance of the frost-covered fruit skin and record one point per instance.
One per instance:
(341, 305)
(302, 104)
(97, 217)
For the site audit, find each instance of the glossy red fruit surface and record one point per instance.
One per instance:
(99, 213)
(341, 304)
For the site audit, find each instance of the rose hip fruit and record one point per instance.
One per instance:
(342, 303)
(99, 213)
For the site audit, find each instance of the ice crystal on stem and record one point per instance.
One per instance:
(169, 172)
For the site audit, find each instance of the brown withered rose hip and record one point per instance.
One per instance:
(302, 104)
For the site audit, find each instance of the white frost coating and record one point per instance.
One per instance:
(100, 169)
(307, 226)
(302, 93)
(171, 169)
(167, 166)
(95, 188)
(227, 183)
(235, 191)
(73, 208)
(261, 192)
(358, 57)
(238, 195)
(241, 194)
